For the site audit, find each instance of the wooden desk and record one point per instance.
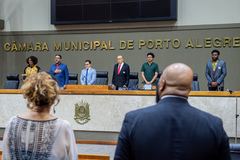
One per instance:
(108, 107)
(116, 92)
(89, 87)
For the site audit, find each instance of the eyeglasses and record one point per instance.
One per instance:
(86, 64)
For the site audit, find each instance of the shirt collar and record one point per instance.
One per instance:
(149, 64)
(174, 96)
(33, 66)
(121, 64)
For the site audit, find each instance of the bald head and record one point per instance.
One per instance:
(176, 79)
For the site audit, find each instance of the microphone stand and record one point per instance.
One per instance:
(236, 116)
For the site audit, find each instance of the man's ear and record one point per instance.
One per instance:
(160, 88)
(162, 85)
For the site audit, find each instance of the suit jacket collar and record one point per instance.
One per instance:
(88, 69)
(121, 67)
(121, 64)
(173, 99)
(217, 65)
(59, 64)
(167, 96)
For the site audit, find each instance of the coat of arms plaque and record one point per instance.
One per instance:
(82, 115)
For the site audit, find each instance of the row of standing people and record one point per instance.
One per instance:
(215, 72)
(121, 71)
(171, 129)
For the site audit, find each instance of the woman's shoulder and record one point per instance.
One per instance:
(26, 67)
(64, 122)
(65, 126)
(38, 67)
(13, 118)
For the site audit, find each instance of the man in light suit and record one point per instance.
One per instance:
(60, 71)
(88, 75)
(215, 72)
(172, 129)
(121, 73)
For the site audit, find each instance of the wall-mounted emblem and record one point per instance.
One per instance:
(82, 115)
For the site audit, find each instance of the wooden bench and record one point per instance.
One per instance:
(84, 156)
(93, 157)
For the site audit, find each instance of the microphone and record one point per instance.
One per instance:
(230, 91)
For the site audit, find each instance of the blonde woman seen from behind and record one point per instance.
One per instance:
(37, 134)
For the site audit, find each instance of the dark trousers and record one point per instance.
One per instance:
(216, 88)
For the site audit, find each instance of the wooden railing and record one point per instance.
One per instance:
(90, 142)
(93, 157)
(140, 93)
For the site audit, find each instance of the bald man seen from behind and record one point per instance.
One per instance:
(172, 129)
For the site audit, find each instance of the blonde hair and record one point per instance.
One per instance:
(40, 90)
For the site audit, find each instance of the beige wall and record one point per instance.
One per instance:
(34, 15)
(196, 19)
(104, 60)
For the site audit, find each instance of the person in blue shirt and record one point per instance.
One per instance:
(88, 75)
(60, 71)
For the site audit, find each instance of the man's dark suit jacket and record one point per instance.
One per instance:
(172, 130)
(123, 77)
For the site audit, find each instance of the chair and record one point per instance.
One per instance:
(195, 83)
(158, 77)
(73, 78)
(133, 80)
(235, 151)
(101, 78)
(12, 81)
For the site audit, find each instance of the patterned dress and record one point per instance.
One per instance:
(31, 140)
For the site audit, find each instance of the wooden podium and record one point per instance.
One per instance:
(89, 87)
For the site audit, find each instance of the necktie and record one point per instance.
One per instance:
(86, 76)
(119, 68)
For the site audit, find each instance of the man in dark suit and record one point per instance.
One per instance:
(121, 73)
(172, 129)
(60, 71)
(215, 72)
